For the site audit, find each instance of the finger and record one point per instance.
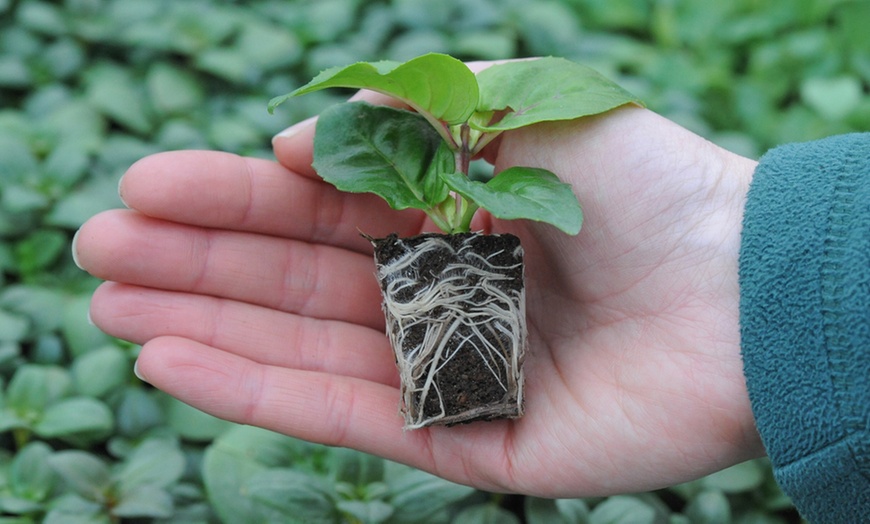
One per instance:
(262, 335)
(294, 147)
(318, 407)
(288, 275)
(313, 406)
(226, 191)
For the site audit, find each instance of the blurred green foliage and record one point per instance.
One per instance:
(87, 87)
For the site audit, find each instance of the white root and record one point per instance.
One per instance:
(465, 308)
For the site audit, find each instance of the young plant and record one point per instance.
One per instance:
(454, 303)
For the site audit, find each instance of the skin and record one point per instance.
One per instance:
(252, 293)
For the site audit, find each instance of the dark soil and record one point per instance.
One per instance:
(469, 388)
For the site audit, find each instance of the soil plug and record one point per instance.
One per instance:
(455, 310)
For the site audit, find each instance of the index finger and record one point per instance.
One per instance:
(227, 191)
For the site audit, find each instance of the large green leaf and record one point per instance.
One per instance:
(360, 148)
(523, 192)
(436, 84)
(546, 89)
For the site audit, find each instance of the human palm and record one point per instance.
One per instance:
(253, 294)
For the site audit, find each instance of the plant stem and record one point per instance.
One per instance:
(464, 209)
(21, 437)
(465, 220)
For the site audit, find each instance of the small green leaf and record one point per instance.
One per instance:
(355, 467)
(293, 493)
(486, 514)
(375, 149)
(138, 412)
(30, 476)
(98, 372)
(366, 511)
(119, 96)
(156, 463)
(84, 473)
(13, 327)
(193, 424)
(623, 509)
(173, 90)
(34, 387)
(555, 511)
(75, 418)
(832, 98)
(435, 84)
(709, 507)
(144, 501)
(417, 496)
(523, 192)
(546, 89)
(739, 478)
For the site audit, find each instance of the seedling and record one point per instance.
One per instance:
(454, 302)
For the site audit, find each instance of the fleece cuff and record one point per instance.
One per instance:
(805, 321)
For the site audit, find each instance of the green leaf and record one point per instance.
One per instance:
(234, 458)
(73, 509)
(42, 305)
(39, 250)
(366, 511)
(84, 473)
(547, 511)
(76, 418)
(623, 509)
(98, 372)
(709, 507)
(739, 478)
(30, 476)
(545, 89)
(486, 514)
(302, 495)
(34, 387)
(435, 84)
(355, 467)
(193, 424)
(144, 501)
(417, 496)
(157, 462)
(173, 90)
(80, 335)
(13, 327)
(138, 412)
(832, 98)
(523, 192)
(360, 148)
(119, 96)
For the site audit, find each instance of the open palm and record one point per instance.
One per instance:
(253, 294)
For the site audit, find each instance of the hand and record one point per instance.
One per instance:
(254, 297)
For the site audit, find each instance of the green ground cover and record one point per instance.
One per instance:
(89, 86)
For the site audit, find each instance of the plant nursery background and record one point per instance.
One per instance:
(89, 86)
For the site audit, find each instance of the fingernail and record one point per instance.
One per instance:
(137, 372)
(90, 320)
(121, 192)
(295, 129)
(74, 250)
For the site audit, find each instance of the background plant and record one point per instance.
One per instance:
(89, 86)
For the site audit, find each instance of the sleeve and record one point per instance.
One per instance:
(805, 321)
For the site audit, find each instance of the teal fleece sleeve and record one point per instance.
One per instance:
(805, 321)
